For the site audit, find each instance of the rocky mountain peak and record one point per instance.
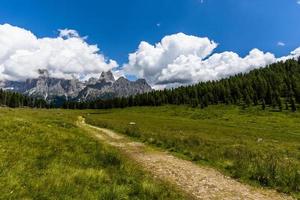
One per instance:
(59, 89)
(43, 73)
(107, 77)
(142, 81)
(91, 81)
(122, 80)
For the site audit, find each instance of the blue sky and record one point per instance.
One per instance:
(239, 35)
(118, 26)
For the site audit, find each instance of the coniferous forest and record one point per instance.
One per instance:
(276, 86)
(15, 100)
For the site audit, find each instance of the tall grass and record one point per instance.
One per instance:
(44, 155)
(259, 147)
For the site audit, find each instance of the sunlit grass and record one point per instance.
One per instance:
(260, 147)
(44, 155)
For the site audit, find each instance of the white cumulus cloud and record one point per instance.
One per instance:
(22, 54)
(192, 69)
(149, 60)
(183, 59)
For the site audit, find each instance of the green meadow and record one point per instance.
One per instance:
(258, 147)
(44, 155)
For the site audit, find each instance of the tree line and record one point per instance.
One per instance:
(276, 86)
(15, 100)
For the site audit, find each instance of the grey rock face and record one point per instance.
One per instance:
(107, 77)
(54, 88)
(107, 88)
(124, 88)
(91, 81)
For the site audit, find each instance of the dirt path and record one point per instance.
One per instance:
(200, 182)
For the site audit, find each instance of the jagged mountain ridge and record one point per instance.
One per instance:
(56, 89)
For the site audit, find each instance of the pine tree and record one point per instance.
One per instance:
(293, 105)
(263, 105)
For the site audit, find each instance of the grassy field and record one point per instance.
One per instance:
(43, 155)
(255, 146)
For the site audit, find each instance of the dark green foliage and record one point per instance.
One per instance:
(15, 100)
(265, 86)
(263, 104)
(293, 105)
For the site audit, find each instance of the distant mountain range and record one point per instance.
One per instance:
(58, 90)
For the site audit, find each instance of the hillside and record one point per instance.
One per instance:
(15, 100)
(277, 85)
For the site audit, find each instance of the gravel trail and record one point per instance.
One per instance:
(198, 181)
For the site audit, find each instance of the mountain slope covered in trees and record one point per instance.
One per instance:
(277, 85)
(14, 100)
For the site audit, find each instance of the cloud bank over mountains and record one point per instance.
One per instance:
(177, 59)
(22, 54)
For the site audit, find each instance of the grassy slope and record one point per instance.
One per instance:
(43, 155)
(255, 146)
